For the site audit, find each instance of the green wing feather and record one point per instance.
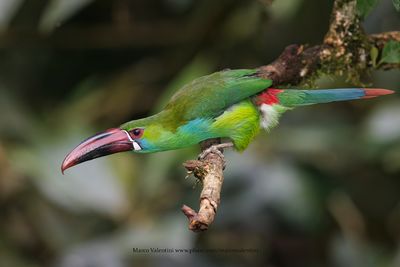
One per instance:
(210, 95)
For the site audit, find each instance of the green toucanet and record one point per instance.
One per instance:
(232, 104)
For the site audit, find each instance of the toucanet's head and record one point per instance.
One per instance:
(137, 136)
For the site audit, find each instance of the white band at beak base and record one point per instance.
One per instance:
(136, 146)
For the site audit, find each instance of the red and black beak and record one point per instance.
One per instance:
(102, 144)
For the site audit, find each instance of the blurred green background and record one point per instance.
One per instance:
(323, 189)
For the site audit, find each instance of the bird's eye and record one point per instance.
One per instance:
(136, 133)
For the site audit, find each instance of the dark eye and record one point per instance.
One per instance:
(136, 133)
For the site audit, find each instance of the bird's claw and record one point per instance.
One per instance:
(216, 149)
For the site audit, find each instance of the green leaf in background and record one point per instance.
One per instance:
(396, 4)
(58, 11)
(374, 55)
(364, 7)
(8, 9)
(391, 52)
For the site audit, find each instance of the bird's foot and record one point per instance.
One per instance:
(217, 149)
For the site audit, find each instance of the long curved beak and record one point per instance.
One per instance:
(102, 144)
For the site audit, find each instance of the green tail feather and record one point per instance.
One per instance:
(293, 98)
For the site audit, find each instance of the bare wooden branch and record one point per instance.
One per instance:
(380, 39)
(209, 171)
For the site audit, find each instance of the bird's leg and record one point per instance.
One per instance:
(215, 149)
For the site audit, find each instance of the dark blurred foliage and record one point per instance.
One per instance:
(323, 189)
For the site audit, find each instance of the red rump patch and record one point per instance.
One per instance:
(269, 97)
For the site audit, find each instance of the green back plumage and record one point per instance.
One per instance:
(206, 97)
(210, 95)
